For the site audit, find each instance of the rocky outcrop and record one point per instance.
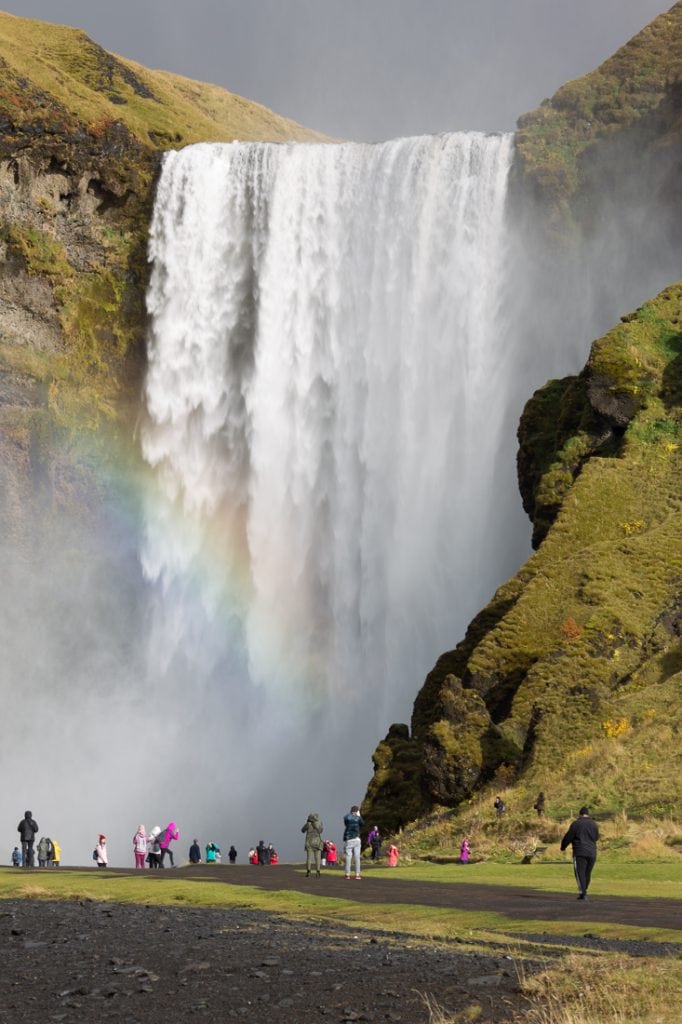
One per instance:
(586, 628)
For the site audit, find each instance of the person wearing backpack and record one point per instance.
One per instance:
(169, 834)
(100, 852)
(313, 843)
(27, 829)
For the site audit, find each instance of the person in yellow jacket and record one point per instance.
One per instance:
(56, 853)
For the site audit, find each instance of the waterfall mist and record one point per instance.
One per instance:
(342, 339)
(329, 387)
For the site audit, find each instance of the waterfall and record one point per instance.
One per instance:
(327, 415)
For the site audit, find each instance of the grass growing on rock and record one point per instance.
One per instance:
(578, 658)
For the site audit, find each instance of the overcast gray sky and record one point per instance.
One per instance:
(367, 69)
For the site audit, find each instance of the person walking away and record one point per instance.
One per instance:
(583, 836)
(539, 804)
(50, 853)
(375, 842)
(43, 851)
(232, 854)
(56, 854)
(352, 823)
(169, 834)
(313, 843)
(393, 855)
(500, 806)
(16, 857)
(27, 829)
(140, 847)
(195, 852)
(263, 853)
(331, 853)
(464, 851)
(101, 852)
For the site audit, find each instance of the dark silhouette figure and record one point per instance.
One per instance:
(582, 836)
(539, 804)
(27, 829)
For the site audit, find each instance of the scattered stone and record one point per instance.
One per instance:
(489, 980)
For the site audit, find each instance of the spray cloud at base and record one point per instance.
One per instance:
(342, 341)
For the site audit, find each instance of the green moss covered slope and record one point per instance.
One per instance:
(592, 133)
(582, 647)
(81, 136)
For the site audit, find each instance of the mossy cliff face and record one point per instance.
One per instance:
(612, 137)
(81, 133)
(587, 633)
(591, 624)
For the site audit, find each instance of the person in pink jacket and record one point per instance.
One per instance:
(167, 836)
(464, 851)
(393, 855)
(140, 846)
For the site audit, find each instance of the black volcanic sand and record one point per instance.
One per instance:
(82, 961)
(87, 962)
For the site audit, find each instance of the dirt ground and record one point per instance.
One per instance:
(87, 961)
(84, 961)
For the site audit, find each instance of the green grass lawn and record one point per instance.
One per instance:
(611, 877)
(419, 921)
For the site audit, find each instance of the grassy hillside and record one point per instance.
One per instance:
(570, 681)
(56, 78)
(81, 134)
(627, 112)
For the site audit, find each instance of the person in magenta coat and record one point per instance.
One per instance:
(165, 839)
(464, 851)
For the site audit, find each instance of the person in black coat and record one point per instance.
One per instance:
(27, 829)
(263, 853)
(232, 854)
(582, 836)
(195, 852)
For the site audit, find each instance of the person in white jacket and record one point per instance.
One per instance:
(101, 852)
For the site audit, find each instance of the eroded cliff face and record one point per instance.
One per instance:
(81, 135)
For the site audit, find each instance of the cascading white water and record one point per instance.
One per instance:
(327, 396)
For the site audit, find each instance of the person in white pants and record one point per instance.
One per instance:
(352, 823)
